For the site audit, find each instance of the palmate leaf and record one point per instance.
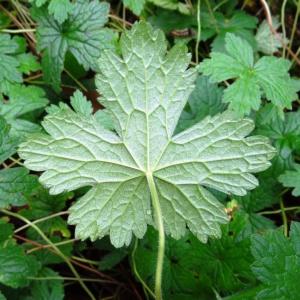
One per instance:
(268, 76)
(145, 90)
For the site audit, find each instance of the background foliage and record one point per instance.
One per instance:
(247, 60)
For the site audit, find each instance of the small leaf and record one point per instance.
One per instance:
(80, 104)
(28, 63)
(60, 9)
(136, 6)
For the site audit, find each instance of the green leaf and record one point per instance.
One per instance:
(15, 186)
(136, 6)
(80, 104)
(8, 62)
(205, 100)
(172, 5)
(82, 34)
(240, 23)
(47, 289)
(22, 100)
(8, 143)
(182, 273)
(285, 135)
(16, 266)
(192, 268)
(60, 9)
(291, 179)
(277, 263)
(38, 3)
(267, 42)
(28, 63)
(269, 76)
(145, 90)
(6, 231)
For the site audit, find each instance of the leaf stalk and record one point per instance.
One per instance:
(161, 236)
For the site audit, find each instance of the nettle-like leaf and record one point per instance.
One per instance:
(268, 76)
(145, 90)
(277, 263)
(82, 34)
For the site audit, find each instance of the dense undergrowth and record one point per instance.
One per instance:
(133, 170)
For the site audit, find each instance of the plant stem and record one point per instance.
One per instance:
(284, 218)
(76, 80)
(67, 278)
(56, 249)
(61, 213)
(161, 236)
(198, 31)
(18, 30)
(278, 211)
(283, 27)
(294, 25)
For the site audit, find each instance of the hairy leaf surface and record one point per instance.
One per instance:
(145, 90)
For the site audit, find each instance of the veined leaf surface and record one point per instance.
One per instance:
(145, 89)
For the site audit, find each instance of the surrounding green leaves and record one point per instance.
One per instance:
(269, 75)
(156, 127)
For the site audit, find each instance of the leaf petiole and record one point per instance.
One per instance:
(161, 236)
